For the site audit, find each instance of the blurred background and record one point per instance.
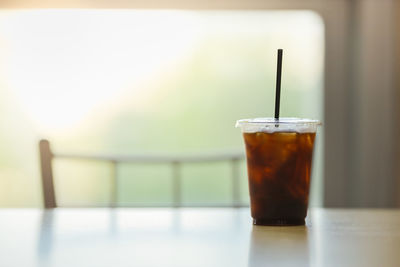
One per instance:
(172, 77)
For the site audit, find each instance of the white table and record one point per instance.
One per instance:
(195, 237)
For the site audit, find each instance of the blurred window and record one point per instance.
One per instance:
(141, 81)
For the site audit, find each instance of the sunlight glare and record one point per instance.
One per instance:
(62, 64)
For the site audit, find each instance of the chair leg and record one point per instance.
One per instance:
(46, 157)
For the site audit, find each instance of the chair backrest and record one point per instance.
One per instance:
(47, 156)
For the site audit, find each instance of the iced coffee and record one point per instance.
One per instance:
(279, 156)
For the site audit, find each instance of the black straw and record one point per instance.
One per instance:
(278, 84)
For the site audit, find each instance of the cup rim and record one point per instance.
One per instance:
(280, 121)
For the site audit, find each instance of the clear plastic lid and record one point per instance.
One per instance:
(270, 125)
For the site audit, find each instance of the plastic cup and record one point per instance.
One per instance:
(279, 156)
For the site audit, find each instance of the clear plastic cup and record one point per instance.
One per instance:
(279, 156)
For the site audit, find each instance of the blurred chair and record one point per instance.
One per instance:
(49, 196)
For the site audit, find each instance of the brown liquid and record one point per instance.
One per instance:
(279, 169)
